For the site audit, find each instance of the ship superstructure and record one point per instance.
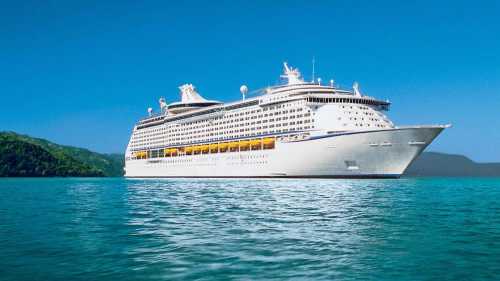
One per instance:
(298, 129)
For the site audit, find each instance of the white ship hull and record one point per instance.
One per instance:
(369, 154)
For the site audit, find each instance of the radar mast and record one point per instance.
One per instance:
(292, 75)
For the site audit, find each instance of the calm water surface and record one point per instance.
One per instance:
(117, 229)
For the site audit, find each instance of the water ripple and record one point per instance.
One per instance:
(102, 229)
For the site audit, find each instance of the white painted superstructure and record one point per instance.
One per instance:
(298, 129)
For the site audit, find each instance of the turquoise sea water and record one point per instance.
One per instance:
(118, 229)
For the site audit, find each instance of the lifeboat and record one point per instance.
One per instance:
(196, 149)
(214, 148)
(223, 147)
(204, 148)
(188, 150)
(173, 151)
(244, 145)
(233, 146)
(141, 154)
(268, 143)
(256, 144)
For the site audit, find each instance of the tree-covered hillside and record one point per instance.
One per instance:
(24, 156)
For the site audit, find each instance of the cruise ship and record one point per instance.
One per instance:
(295, 129)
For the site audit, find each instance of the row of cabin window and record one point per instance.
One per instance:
(197, 132)
(233, 133)
(342, 100)
(232, 121)
(226, 121)
(208, 133)
(266, 132)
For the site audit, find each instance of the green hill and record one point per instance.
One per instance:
(24, 156)
(449, 165)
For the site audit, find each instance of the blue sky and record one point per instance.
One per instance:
(82, 72)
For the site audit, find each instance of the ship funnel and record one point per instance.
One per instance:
(189, 94)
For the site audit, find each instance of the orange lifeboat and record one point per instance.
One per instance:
(141, 154)
(214, 148)
(174, 151)
(233, 146)
(256, 144)
(223, 147)
(204, 148)
(269, 143)
(244, 145)
(196, 149)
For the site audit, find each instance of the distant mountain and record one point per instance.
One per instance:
(24, 156)
(448, 165)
